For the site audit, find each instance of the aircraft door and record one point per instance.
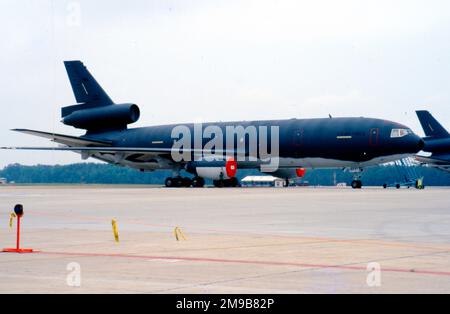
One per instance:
(374, 139)
(298, 138)
(297, 142)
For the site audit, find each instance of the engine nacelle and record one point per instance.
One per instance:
(289, 173)
(213, 173)
(437, 145)
(216, 170)
(101, 118)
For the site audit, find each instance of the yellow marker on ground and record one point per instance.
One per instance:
(11, 218)
(115, 230)
(179, 235)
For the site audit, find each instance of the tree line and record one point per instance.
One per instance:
(95, 173)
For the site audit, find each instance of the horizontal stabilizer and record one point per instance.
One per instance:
(66, 139)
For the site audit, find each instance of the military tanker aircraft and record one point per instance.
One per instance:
(217, 151)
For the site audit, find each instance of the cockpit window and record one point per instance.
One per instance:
(397, 133)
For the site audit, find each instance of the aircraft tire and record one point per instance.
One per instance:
(219, 183)
(234, 182)
(357, 184)
(169, 183)
(198, 182)
(177, 182)
(186, 182)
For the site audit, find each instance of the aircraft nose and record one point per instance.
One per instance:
(421, 144)
(415, 143)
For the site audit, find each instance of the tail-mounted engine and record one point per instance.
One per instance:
(101, 118)
(95, 110)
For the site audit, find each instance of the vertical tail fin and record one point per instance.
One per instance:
(84, 86)
(430, 125)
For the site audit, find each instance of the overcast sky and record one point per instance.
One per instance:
(184, 61)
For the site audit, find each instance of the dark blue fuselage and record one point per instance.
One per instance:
(331, 142)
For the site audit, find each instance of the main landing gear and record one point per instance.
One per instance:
(180, 182)
(229, 183)
(198, 182)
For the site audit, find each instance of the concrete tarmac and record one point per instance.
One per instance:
(248, 240)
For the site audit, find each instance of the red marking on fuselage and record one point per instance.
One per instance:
(231, 168)
(301, 172)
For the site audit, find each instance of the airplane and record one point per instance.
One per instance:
(284, 148)
(436, 151)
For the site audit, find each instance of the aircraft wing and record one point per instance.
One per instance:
(104, 150)
(112, 150)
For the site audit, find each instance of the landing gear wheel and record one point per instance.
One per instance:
(357, 184)
(385, 186)
(229, 183)
(186, 182)
(219, 183)
(198, 182)
(398, 186)
(169, 183)
(174, 182)
(178, 182)
(234, 182)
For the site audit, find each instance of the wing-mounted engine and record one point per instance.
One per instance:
(223, 173)
(214, 170)
(288, 173)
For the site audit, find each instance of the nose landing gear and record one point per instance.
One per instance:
(357, 183)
